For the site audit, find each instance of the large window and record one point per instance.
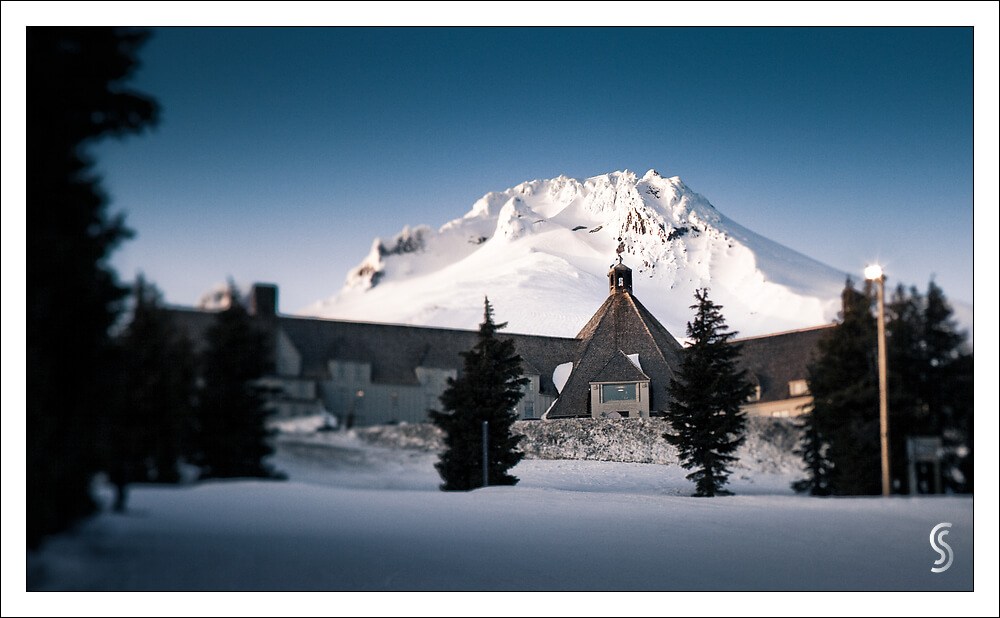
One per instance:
(618, 392)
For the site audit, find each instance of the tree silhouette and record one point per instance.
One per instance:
(232, 410)
(153, 423)
(487, 390)
(948, 390)
(75, 94)
(705, 417)
(930, 394)
(930, 380)
(843, 383)
(813, 451)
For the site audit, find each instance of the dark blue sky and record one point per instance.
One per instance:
(283, 152)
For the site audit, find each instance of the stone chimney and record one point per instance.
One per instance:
(264, 300)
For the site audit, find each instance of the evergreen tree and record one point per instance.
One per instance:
(906, 354)
(930, 380)
(488, 390)
(75, 94)
(930, 393)
(960, 439)
(945, 389)
(813, 451)
(152, 427)
(705, 417)
(844, 414)
(232, 410)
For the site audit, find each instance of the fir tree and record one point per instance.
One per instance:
(960, 440)
(705, 417)
(930, 393)
(153, 422)
(844, 421)
(943, 391)
(232, 409)
(488, 389)
(930, 380)
(813, 450)
(948, 390)
(75, 94)
(907, 375)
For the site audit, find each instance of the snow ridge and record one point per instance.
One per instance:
(541, 251)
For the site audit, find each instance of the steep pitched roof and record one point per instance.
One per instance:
(620, 368)
(621, 326)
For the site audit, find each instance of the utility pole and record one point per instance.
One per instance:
(874, 273)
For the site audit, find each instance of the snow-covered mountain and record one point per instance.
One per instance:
(541, 252)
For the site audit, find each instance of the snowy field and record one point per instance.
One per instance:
(358, 517)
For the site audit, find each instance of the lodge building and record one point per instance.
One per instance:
(618, 366)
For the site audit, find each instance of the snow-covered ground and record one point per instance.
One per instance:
(355, 516)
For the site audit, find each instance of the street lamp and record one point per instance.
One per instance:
(874, 273)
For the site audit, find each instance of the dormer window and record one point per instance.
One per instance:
(798, 387)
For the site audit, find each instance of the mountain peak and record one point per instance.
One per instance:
(540, 251)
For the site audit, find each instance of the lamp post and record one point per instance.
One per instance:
(874, 273)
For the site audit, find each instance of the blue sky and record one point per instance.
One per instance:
(282, 153)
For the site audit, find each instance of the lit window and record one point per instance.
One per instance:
(797, 387)
(755, 395)
(618, 392)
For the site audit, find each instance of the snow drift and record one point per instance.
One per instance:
(354, 516)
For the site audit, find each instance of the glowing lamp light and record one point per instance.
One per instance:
(873, 272)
